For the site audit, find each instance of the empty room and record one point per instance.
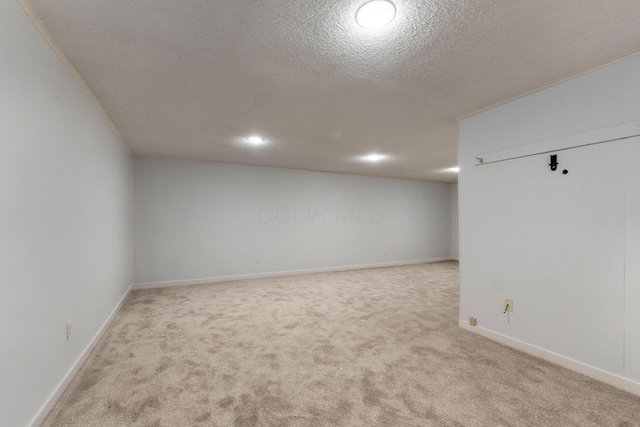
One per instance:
(319, 213)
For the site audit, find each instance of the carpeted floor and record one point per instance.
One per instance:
(378, 347)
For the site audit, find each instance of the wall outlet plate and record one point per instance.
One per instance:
(507, 305)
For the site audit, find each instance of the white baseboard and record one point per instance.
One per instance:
(169, 284)
(455, 258)
(571, 364)
(41, 415)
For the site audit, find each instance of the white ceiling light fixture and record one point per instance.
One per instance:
(373, 157)
(375, 14)
(256, 140)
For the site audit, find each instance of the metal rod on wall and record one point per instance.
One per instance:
(600, 136)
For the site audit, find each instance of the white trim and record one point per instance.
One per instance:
(172, 283)
(217, 162)
(32, 14)
(44, 410)
(612, 133)
(566, 362)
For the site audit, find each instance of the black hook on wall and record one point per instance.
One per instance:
(554, 164)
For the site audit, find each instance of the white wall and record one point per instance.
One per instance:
(455, 251)
(65, 218)
(631, 272)
(557, 244)
(200, 220)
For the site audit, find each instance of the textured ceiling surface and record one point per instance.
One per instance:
(191, 79)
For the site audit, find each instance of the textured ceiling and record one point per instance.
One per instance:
(191, 79)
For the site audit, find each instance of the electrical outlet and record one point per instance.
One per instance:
(473, 321)
(507, 305)
(68, 331)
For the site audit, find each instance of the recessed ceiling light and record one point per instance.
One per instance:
(455, 169)
(373, 157)
(375, 14)
(256, 140)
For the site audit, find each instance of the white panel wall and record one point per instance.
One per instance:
(632, 264)
(455, 251)
(65, 219)
(559, 245)
(200, 220)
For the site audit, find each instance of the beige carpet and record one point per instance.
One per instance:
(378, 347)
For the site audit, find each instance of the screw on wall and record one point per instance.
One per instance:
(507, 304)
